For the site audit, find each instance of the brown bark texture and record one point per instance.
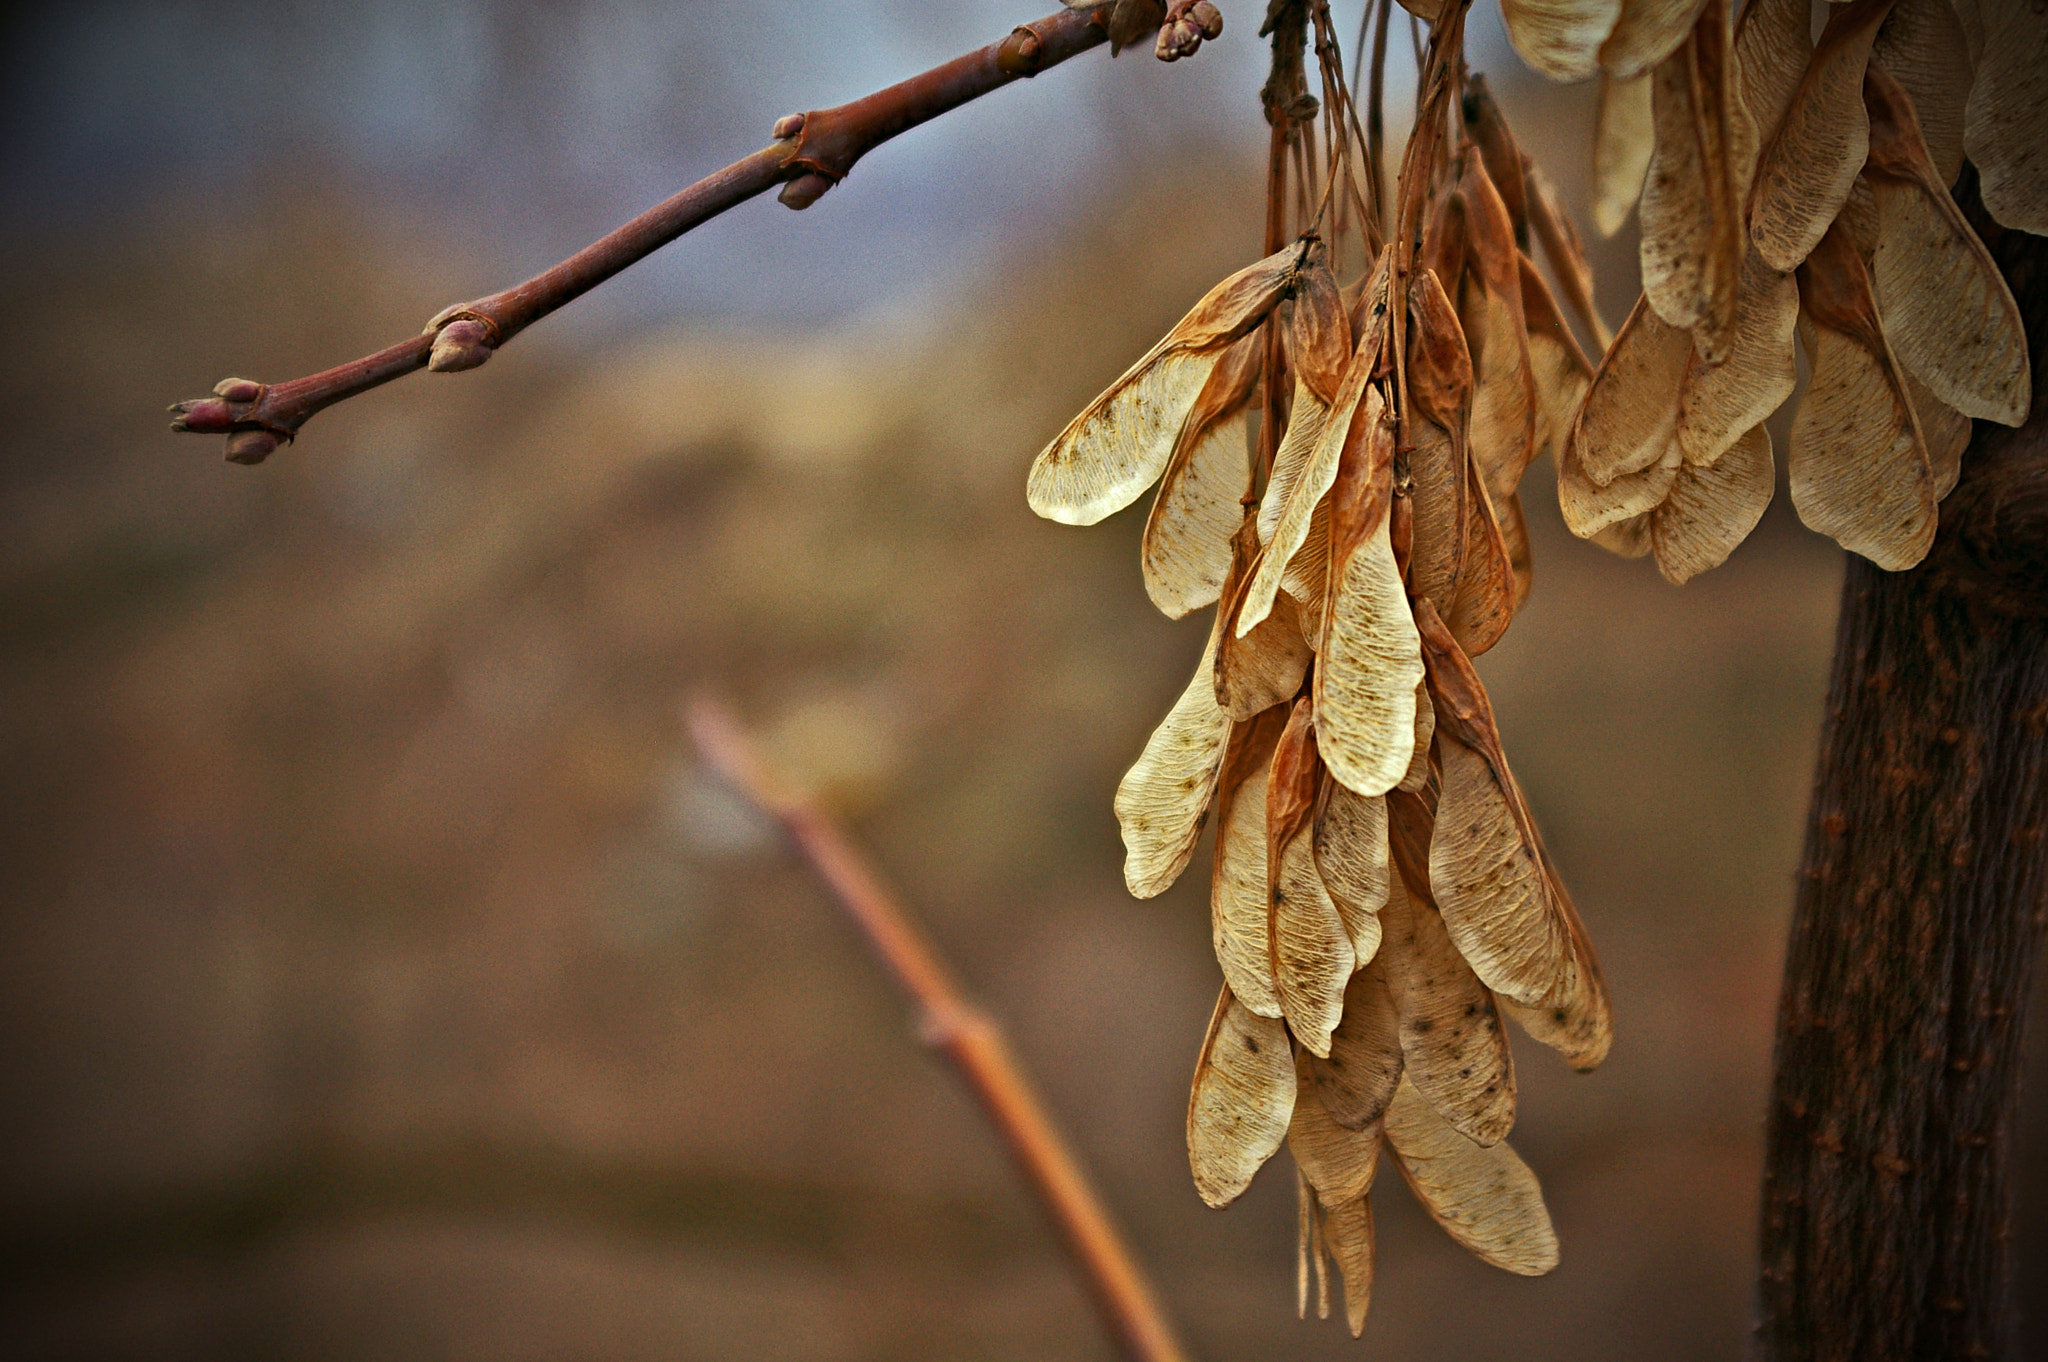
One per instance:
(1921, 898)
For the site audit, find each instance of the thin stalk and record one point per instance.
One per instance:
(811, 153)
(966, 1035)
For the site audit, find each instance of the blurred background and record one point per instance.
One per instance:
(380, 974)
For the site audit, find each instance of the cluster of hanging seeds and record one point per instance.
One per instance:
(1380, 896)
(1794, 187)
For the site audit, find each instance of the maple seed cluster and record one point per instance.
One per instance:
(1380, 897)
(1788, 188)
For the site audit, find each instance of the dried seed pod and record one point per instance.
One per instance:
(1311, 948)
(1945, 431)
(1337, 1161)
(1242, 1101)
(1576, 1020)
(1355, 1081)
(1820, 144)
(1624, 137)
(1719, 402)
(1921, 45)
(1590, 510)
(1163, 800)
(1453, 1047)
(1560, 38)
(1351, 850)
(1858, 464)
(2005, 126)
(1567, 254)
(1773, 44)
(1419, 768)
(1629, 420)
(1121, 442)
(1348, 1232)
(1711, 509)
(1558, 368)
(1647, 32)
(1948, 314)
(1484, 1197)
(1263, 667)
(1487, 583)
(1303, 469)
(1692, 244)
(1237, 896)
(1187, 545)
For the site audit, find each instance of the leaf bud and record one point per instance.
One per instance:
(251, 446)
(462, 344)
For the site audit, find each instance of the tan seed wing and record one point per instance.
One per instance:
(1503, 390)
(2005, 126)
(1338, 1163)
(1163, 800)
(1242, 1101)
(1624, 137)
(1486, 585)
(1318, 331)
(1566, 252)
(1356, 1081)
(1425, 731)
(1945, 430)
(1773, 43)
(1805, 175)
(1308, 573)
(1365, 681)
(1487, 879)
(1310, 943)
(1348, 1230)
(1575, 1020)
(1859, 469)
(1711, 510)
(1647, 32)
(1629, 538)
(1947, 312)
(1263, 668)
(1297, 488)
(1557, 367)
(1514, 535)
(1351, 855)
(1721, 401)
(1591, 510)
(1237, 895)
(1453, 1046)
(1436, 551)
(1186, 550)
(1921, 45)
(1629, 420)
(1560, 38)
(1485, 1198)
(1119, 445)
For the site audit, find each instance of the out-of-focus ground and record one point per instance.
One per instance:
(381, 976)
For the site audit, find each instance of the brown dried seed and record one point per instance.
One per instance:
(1712, 509)
(1163, 800)
(1485, 1198)
(1624, 137)
(1186, 549)
(1921, 45)
(1242, 1100)
(1647, 32)
(1237, 896)
(1356, 1080)
(1629, 421)
(1560, 38)
(2005, 126)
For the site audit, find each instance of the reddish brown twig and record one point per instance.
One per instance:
(966, 1035)
(811, 153)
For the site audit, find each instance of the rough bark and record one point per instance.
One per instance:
(1920, 905)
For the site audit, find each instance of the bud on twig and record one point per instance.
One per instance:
(805, 190)
(1186, 25)
(787, 126)
(462, 340)
(251, 446)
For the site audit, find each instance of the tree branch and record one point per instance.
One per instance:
(965, 1034)
(811, 153)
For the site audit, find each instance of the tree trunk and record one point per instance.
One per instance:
(1919, 912)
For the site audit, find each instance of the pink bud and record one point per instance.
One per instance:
(251, 446)
(1208, 19)
(238, 389)
(789, 125)
(805, 190)
(462, 344)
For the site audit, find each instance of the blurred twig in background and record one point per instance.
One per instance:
(962, 1032)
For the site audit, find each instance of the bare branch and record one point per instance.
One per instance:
(811, 153)
(964, 1033)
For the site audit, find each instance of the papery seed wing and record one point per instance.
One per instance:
(1419, 768)
(1566, 252)
(1338, 1163)
(1453, 1046)
(1318, 331)
(1485, 1198)
(1629, 538)
(1351, 856)
(1120, 443)
(1163, 800)
(1773, 43)
(1945, 430)
(1437, 547)
(1557, 366)
(1921, 45)
(1311, 947)
(1265, 666)
(2005, 125)
(1365, 679)
(1560, 38)
(1857, 462)
(1485, 603)
(1719, 402)
(1356, 1080)
(1820, 145)
(1575, 1020)
(1498, 153)
(1186, 549)
(1647, 32)
(1711, 510)
(1591, 511)
(1486, 871)
(1308, 574)
(1503, 394)
(1624, 137)
(1348, 1230)
(1947, 311)
(1237, 897)
(1242, 1101)
(1630, 417)
(1302, 474)
(1514, 535)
